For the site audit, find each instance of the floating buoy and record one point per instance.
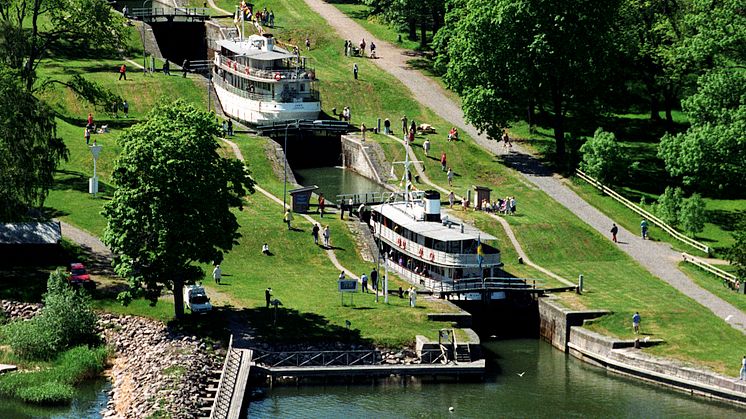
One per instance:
(450, 409)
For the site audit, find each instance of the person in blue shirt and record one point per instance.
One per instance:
(644, 229)
(636, 322)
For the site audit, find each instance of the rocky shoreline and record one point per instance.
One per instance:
(154, 371)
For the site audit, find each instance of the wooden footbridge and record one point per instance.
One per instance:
(170, 14)
(495, 288)
(230, 395)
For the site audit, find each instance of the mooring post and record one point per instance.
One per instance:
(580, 284)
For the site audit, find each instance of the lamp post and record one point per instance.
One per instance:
(144, 57)
(285, 182)
(93, 182)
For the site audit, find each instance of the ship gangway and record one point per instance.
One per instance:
(230, 396)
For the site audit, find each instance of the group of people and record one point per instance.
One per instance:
(643, 230)
(351, 51)
(228, 127)
(325, 233)
(263, 17)
(506, 206)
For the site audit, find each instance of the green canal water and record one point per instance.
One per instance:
(90, 400)
(333, 181)
(553, 385)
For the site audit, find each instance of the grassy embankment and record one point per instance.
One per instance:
(637, 135)
(552, 236)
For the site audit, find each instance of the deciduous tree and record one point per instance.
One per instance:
(693, 215)
(172, 205)
(603, 157)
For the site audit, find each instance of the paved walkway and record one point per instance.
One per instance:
(657, 258)
(99, 254)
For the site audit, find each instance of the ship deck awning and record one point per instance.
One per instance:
(245, 49)
(401, 215)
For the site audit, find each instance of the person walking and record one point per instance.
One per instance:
(449, 175)
(443, 161)
(268, 296)
(185, 68)
(166, 68)
(644, 229)
(506, 140)
(362, 47)
(342, 276)
(217, 274)
(126, 109)
(363, 130)
(374, 279)
(412, 297)
(354, 70)
(743, 368)
(230, 127)
(404, 125)
(89, 121)
(322, 204)
(123, 72)
(326, 236)
(636, 322)
(288, 218)
(614, 231)
(426, 147)
(315, 234)
(87, 135)
(364, 280)
(308, 44)
(451, 198)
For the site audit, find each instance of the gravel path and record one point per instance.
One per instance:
(99, 254)
(657, 258)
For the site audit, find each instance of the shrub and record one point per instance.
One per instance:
(603, 157)
(54, 385)
(65, 321)
(692, 215)
(669, 205)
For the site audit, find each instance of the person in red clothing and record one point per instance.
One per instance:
(123, 72)
(443, 161)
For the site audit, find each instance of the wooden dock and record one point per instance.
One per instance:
(231, 391)
(474, 368)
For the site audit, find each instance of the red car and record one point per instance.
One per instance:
(79, 276)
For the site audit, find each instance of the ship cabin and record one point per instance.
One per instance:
(431, 249)
(257, 69)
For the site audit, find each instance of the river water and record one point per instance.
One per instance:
(333, 181)
(90, 399)
(552, 385)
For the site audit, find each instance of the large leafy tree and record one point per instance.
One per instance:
(31, 30)
(29, 148)
(505, 57)
(172, 205)
(711, 154)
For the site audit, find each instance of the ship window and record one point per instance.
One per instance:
(440, 246)
(428, 242)
(454, 247)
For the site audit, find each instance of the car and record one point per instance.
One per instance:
(79, 276)
(196, 300)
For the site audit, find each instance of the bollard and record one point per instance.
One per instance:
(378, 125)
(580, 284)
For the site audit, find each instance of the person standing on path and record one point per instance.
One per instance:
(364, 279)
(743, 368)
(426, 147)
(614, 231)
(374, 279)
(636, 322)
(443, 161)
(363, 129)
(386, 126)
(126, 109)
(451, 198)
(354, 70)
(217, 274)
(450, 176)
(315, 234)
(308, 44)
(268, 296)
(644, 229)
(123, 72)
(412, 297)
(166, 68)
(404, 125)
(322, 204)
(185, 68)
(288, 218)
(362, 47)
(230, 127)
(326, 236)
(506, 140)
(342, 276)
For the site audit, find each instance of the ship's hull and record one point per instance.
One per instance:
(258, 112)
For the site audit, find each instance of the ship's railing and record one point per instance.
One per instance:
(264, 74)
(309, 96)
(434, 256)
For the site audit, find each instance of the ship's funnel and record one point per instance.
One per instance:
(432, 206)
(270, 42)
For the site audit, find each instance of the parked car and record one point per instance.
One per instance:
(196, 300)
(79, 276)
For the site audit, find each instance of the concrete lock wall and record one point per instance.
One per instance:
(555, 321)
(354, 157)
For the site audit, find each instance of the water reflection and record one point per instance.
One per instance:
(90, 399)
(552, 385)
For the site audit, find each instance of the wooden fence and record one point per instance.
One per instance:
(729, 278)
(649, 216)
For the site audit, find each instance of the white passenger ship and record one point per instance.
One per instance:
(430, 249)
(258, 82)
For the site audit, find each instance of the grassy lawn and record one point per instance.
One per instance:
(714, 284)
(360, 13)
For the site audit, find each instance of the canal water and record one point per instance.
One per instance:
(551, 385)
(333, 181)
(90, 399)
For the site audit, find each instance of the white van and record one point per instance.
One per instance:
(196, 299)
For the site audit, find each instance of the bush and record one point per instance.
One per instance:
(65, 321)
(603, 157)
(668, 207)
(692, 215)
(54, 385)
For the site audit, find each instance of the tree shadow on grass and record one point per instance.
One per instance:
(298, 328)
(726, 220)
